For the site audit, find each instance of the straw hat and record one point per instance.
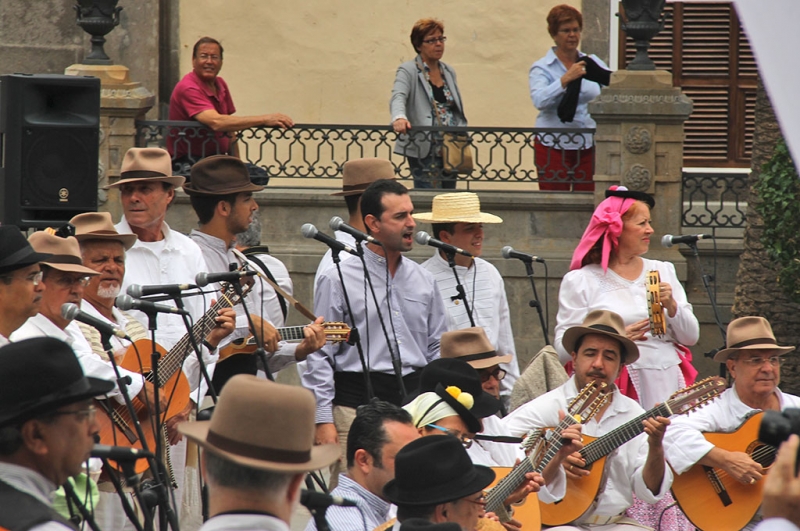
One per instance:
(471, 345)
(358, 174)
(458, 207)
(146, 164)
(65, 252)
(263, 425)
(99, 226)
(605, 323)
(220, 175)
(15, 251)
(39, 375)
(750, 333)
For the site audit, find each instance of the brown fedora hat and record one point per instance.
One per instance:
(264, 425)
(147, 164)
(66, 252)
(471, 345)
(220, 175)
(750, 333)
(457, 207)
(99, 226)
(605, 323)
(358, 174)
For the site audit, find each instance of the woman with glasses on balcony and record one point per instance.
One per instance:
(425, 93)
(562, 83)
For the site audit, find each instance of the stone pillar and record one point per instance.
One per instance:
(639, 141)
(122, 102)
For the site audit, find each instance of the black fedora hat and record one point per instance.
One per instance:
(623, 192)
(15, 251)
(454, 372)
(40, 375)
(435, 469)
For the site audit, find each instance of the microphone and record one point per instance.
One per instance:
(337, 223)
(509, 252)
(204, 279)
(669, 240)
(136, 291)
(310, 231)
(126, 302)
(423, 238)
(318, 500)
(70, 311)
(119, 453)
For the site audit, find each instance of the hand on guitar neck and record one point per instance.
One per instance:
(225, 324)
(572, 444)
(313, 340)
(533, 483)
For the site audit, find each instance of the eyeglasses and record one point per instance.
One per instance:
(34, 278)
(465, 441)
(441, 39)
(497, 373)
(477, 501)
(66, 281)
(775, 361)
(88, 413)
(570, 31)
(206, 57)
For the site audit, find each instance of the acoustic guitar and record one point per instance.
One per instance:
(544, 446)
(582, 492)
(712, 499)
(116, 425)
(335, 332)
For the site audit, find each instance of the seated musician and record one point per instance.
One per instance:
(753, 359)
(435, 480)
(599, 348)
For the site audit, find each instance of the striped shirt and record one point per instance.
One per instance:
(374, 509)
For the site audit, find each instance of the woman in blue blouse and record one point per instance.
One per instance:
(425, 93)
(557, 156)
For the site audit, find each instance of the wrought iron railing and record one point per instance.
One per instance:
(714, 200)
(308, 151)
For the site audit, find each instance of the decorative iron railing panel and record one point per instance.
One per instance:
(714, 200)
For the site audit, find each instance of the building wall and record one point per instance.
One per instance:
(334, 61)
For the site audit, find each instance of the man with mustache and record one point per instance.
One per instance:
(599, 347)
(408, 300)
(20, 281)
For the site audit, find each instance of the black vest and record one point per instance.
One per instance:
(20, 511)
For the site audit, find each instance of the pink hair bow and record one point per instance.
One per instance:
(606, 223)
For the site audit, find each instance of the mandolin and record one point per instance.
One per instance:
(582, 492)
(335, 332)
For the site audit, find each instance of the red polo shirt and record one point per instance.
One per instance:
(189, 98)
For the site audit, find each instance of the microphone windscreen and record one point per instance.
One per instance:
(124, 302)
(422, 238)
(135, 291)
(507, 251)
(666, 241)
(308, 230)
(69, 311)
(335, 222)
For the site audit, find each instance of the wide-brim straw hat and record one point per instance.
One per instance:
(263, 425)
(435, 469)
(220, 175)
(40, 375)
(471, 345)
(605, 323)
(457, 207)
(750, 333)
(15, 251)
(99, 226)
(147, 164)
(65, 252)
(358, 174)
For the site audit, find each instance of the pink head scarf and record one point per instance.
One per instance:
(606, 223)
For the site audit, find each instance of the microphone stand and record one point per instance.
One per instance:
(132, 480)
(534, 303)
(168, 514)
(319, 518)
(707, 284)
(179, 303)
(260, 352)
(395, 355)
(355, 338)
(451, 260)
(73, 497)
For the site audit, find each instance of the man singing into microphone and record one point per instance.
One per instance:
(457, 220)
(222, 197)
(408, 302)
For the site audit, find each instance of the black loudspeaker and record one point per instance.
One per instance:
(49, 132)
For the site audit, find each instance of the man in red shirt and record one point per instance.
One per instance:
(204, 96)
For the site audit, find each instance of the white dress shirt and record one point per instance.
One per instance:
(4, 340)
(490, 453)
(327, 259)
(486, 294)
(623, 468)
(374, 509)
(244, 522)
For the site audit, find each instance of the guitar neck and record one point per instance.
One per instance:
(291, 333)
(173, 360)
(620, 435)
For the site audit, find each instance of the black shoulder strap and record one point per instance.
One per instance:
(251, 253)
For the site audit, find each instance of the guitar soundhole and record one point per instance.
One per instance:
(761, 453)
